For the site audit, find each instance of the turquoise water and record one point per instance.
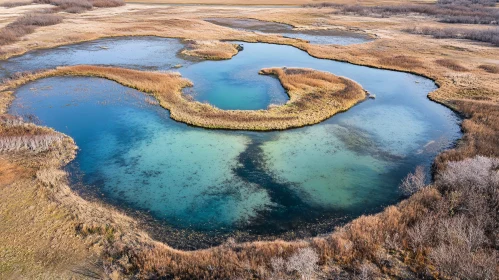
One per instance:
(298, 182)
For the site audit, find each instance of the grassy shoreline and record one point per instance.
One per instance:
(314, 96)
(380, 245)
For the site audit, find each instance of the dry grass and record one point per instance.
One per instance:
(451, 64)
(212, 50)
(393, 243)
(481, 132)
(494, 69)
(488, 35)
(80, 6)
(13, 4)
(403, 61)
(314, 96)
(450, 11)
(26, 24)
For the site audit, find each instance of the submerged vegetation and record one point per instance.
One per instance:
(447, 229)
(444, 230)
(314, 96)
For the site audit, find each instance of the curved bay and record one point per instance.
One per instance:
(264, 183)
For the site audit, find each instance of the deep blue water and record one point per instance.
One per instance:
(264, 183)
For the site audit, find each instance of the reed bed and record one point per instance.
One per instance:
(314, 96)
(17, 135)
(211, 49)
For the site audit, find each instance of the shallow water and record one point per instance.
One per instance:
(319, 36)
(290, 183)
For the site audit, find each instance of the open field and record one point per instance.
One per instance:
(272, 2)
(446, 229)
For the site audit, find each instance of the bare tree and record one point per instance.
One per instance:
(304, 262)
(413, 182)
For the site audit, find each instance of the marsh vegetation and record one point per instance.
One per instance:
(445, 228)
(314, 96)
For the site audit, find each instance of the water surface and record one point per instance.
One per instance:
(314, 36)
(214, 183)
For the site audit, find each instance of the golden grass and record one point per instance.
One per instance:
(314, 96)
(380, 239)
(211, 49)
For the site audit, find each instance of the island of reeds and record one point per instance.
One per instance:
(313, 96)
(210, 49)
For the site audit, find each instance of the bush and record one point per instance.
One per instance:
(79, 6)
(15, 4)
(72, 4)
(12, 33)
(478, 173)
(304, 263)
(402, 61)
(36, 19)
(490, 35)
(413, 182)
(465, 11)
(107, 3)
(494, 69)
(451, 64)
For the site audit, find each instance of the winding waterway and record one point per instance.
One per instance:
(211, 183)
(313, 36)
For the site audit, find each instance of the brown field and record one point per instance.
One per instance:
(445, 230)
(273, 2)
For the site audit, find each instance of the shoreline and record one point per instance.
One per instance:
(334, 95)
(478, 132)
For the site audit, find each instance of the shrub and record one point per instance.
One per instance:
(303, 262)
(13, 4)
(79, 6)
(26, 24)
(36, 19)
(107, 3)
(413, 182)
(490, 35)
(451, 64)
(475, 173)
(12, 33)
(494, 69)
(465, 11)
(401, 61)
(72, 4)
(460, 252)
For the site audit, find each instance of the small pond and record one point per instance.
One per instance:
(201, 186)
